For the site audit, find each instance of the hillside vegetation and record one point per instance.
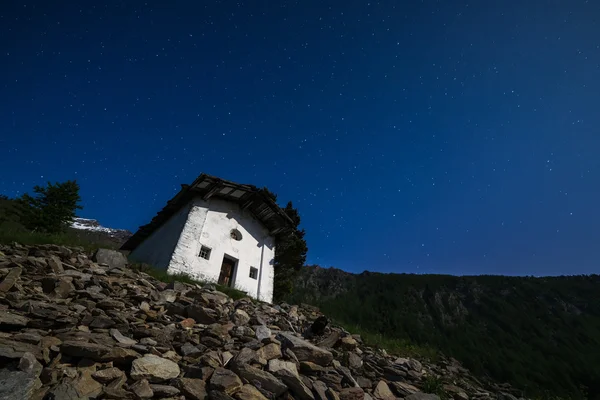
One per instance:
(12, 229)
(540, 334)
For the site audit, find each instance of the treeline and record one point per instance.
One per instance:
(542, 335)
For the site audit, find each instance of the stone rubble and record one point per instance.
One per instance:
(73, 328)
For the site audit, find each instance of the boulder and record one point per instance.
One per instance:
(154, 368)
(112, 258)
(264, 378)
(354, 393)
(225, 380)
(382, 392)
(249, 392)
(304, 350)
(240, 317)
(192, 389)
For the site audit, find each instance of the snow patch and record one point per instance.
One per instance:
(93, 225)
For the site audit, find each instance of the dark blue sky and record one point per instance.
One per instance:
(421, 136)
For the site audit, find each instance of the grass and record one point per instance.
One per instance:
(395, 346)
(434, 385)
(163, 276)
(25, 237)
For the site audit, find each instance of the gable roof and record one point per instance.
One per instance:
(249, 198)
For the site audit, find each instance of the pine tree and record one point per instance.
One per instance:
(290, 252)
(51, 209)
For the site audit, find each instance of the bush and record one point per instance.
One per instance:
(52, 209)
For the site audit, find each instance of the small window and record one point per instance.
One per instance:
(253, 273)
(204, 252)
(235, 234)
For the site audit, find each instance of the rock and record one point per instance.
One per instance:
(109, 304)
(330, 341)
(15, 349)
(355, 362)
(142, 389)
(354, 393)
(55, 263)
(216, 395)
(64, 288)
(382, 392)
(348, 343)
(118, 336)
(265, 379)
(9, 320)
(320, 390)
(112, 258)
(249, 392)
(187, 323)
(332, 394)
(9, 280)
(194, 389)
(310, 368)
(333, 380)
(403, 389)
(269, 351)
(409, 363)
(347, 375)
(262, 332)
(304, 350)
(102, 322)
(422, 396)
(30, 365)
(240, 317)
(18, 384)
(363, 382)
(295, 384)
(107, 375)
(64, 391)
(85, 385)
(456, 392)
(245, 356)
(200, 314)
(120, 355)
(92, 351)
(154, 368)
(189, 350)
(225, 380)
(164, 390)
(277, 365)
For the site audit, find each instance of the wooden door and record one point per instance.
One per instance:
(226, 275)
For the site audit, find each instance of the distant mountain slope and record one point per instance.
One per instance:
(91, 227)
(536, 333)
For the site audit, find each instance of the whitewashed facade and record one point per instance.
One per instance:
(214, 238)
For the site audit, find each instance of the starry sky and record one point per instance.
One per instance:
(458, 137)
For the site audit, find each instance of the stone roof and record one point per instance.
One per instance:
(248, 197)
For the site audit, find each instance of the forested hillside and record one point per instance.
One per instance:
(539, 334)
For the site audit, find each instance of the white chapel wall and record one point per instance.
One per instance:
(210, 224)
(157, 249)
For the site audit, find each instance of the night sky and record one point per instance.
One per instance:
(420, 136)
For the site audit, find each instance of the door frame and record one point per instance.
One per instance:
(234, 269)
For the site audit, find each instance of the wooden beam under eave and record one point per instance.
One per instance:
(248, 203)
(211, 192)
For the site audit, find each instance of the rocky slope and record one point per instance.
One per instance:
(79, 327)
